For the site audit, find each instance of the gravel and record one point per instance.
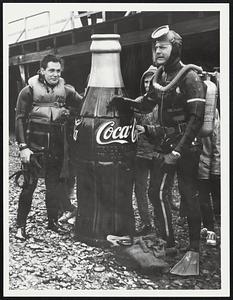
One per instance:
(48, 261)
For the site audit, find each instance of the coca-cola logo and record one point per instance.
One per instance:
(107, 133)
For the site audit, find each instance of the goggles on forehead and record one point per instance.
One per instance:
(164, 34)
(159, 32)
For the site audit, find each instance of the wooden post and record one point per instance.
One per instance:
(104, 16)
(27, 75)
(37, 46)
(22, 74)
(72, 37)
(140, 23)
(72, 20)
(115, 27)
(55, 42)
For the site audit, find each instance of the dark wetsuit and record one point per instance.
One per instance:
(54, 156)
(181, 114)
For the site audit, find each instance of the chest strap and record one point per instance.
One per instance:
(49, 104)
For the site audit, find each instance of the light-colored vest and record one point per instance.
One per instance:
(43, 94)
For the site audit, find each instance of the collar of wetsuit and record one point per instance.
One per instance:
(175, 65)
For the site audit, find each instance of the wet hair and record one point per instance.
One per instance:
(48, 58)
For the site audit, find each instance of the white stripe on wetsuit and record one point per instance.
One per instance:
(162, 203)
(196, 99)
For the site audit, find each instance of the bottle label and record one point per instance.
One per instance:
(107, 133)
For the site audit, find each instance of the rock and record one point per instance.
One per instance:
(178, 282)
(30, 269)
(130, 282)
(89, 249)
(126, 273)
(78, 268)
(150, 287)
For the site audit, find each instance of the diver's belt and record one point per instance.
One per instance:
(177, 129)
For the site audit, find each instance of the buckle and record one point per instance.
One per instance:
(181, 127)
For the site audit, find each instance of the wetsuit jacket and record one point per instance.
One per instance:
(181, 109)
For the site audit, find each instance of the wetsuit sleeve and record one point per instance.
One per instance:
(73, 98)
(142, 104)
(23, 107)
(195, 90)
(147, 102)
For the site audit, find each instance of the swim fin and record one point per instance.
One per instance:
(119, 240)
(188, 265)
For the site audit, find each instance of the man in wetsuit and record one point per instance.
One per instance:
(41, 112)
(181, 114)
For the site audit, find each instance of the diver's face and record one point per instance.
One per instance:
(52, 72)
(162, 52)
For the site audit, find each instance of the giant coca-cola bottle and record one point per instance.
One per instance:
(104, 149)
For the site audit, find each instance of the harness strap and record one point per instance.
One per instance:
(49, 104)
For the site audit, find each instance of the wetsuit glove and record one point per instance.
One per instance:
(170, 159)
(169, 162)
(118, 103)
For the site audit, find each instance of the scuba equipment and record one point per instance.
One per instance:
(211, 94)
(164, 34)
(210, 105)
(175, 80)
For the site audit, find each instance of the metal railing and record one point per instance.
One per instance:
(83, 19)
(26, 29)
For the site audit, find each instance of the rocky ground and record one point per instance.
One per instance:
(48, 261)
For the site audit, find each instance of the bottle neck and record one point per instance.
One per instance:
(105, 70)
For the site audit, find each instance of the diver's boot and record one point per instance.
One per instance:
(21, 234)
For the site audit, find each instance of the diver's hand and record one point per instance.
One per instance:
(119, 103)
(140, 129)
(169, 161)
(25, 155)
